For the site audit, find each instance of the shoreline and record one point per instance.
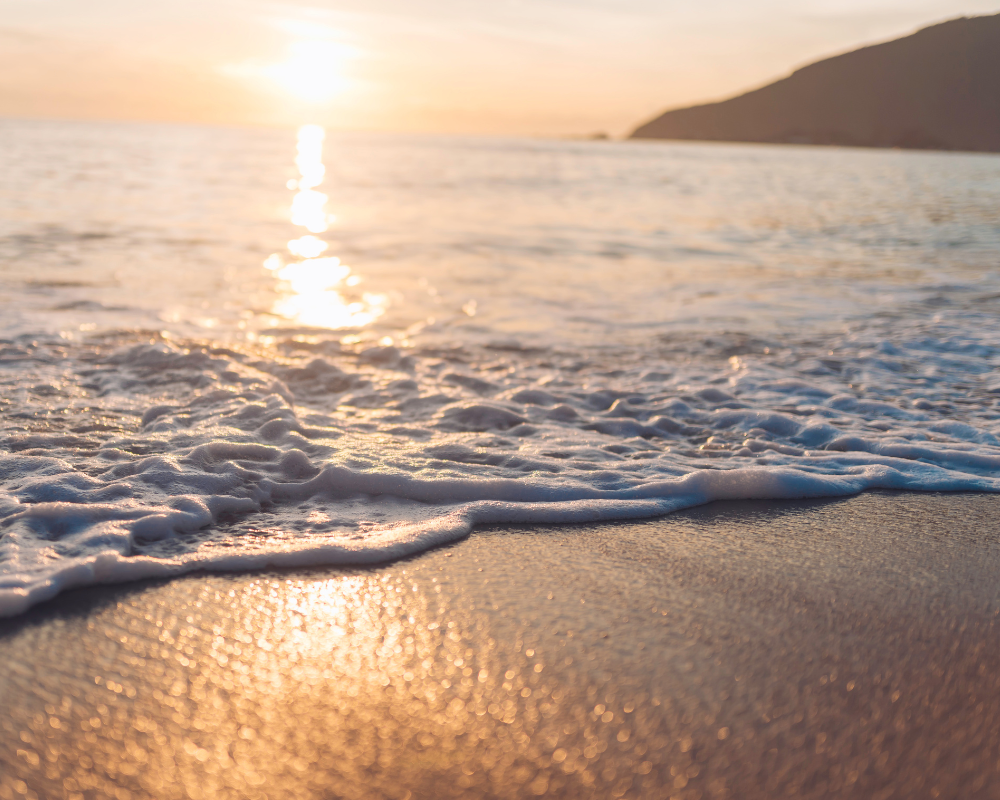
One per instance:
(825, 648)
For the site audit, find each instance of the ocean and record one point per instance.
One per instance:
(225, 349)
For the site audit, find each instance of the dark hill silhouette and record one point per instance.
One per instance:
(938, 89)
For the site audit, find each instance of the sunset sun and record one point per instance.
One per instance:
(314, 71)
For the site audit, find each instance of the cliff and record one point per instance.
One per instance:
(936, 89)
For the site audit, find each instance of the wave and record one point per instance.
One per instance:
(130, 455)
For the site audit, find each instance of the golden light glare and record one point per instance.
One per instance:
(314, 71)
(308, 210)
(314, 298)
(309, 159)
(314, 289)
(307, 247)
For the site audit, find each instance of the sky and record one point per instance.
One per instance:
(538, 67)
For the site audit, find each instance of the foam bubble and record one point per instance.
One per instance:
(235, 459)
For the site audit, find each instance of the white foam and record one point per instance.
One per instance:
(239, 474)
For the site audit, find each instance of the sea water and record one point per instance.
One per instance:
(233, 348)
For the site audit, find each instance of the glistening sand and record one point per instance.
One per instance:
(843, 648)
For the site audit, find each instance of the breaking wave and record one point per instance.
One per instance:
(132, 455)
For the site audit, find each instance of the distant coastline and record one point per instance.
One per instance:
(937, 89)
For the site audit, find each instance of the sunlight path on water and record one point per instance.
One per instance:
(314, 290)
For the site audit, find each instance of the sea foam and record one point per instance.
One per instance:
(161, 457)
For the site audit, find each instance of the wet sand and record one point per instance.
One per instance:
(742, 650)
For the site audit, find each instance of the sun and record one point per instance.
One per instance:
(314, 71)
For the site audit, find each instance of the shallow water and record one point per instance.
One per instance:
(228, 348)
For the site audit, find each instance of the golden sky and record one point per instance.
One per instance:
(549, 67)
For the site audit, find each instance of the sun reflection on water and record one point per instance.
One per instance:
(314, 289)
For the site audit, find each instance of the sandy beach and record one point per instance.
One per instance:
(745, 650)
(377, 423)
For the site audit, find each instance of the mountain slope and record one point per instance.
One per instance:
(936, 89)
